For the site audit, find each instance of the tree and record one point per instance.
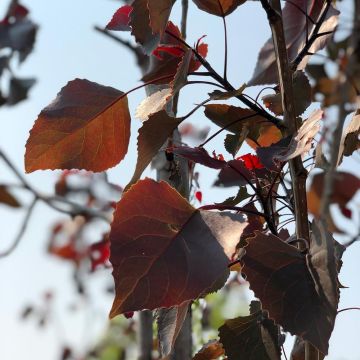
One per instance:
(165, 253)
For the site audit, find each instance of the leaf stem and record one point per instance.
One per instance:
(22, 229)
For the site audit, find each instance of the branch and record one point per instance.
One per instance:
(315, 34)
(259, 111)
(75, 209)
(141, 59)
(22, 230)
(298, 173)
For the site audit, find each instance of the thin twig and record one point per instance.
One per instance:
(21, 231)
(277, 122)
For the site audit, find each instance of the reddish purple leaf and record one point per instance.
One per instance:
(120, 20)
(161, 248)
(198, 155)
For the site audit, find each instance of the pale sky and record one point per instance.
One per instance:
(67, 47)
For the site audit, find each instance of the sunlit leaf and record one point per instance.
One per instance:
(198, 155)
(210, 351)
(218, 7)
(121, 19)
(86, 127)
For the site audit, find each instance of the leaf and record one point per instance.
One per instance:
(161, 245)
(159, 11)
(18, 35)
(252, 337)
(240, 196)
(223, 115)
(345, 187)
(244, 122)
(7, 198)
(268, 154)
(152, 136)
(19, 89)
(298, 351)
(233, 142)
(182, 71)
(302, 96)
(301, 142)
(121, 19)
(218, 7)
(295, 24)
(210, 351)
(275, 270)
(140, 26)
(153, 103)
(198, 155)
(350, 139)
(234, 173)
(166, 58)
(251, 162)
(169, 322)
(86, 127)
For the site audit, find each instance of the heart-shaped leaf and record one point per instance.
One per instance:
(162, 248)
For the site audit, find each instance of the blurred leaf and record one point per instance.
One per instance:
(7, 198)
(210, 351)
(19, 89)
(218, 7)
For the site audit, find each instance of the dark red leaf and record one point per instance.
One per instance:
(129, 314)
(252, 337)
(274, 269)
(121, 19)
(161, 245)
(198, 155)
(210, 351)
